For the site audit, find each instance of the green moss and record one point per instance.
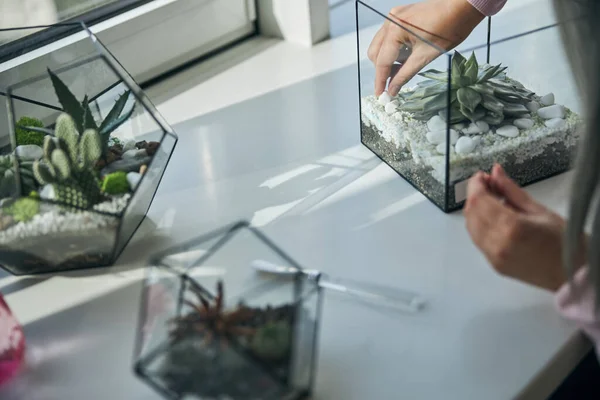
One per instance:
(115, 183)
(24, 209)
(272, 341)
(25, 136)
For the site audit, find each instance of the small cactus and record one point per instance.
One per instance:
(68, 164)
(8, 183)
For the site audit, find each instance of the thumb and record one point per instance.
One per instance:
(512, 192)
(418, 59)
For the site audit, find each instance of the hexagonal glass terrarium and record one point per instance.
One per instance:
(510, 101)
(212, 327)
(81, 156)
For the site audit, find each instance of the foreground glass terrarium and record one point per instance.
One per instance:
(212, 327)
(511, 101)
(82, 152)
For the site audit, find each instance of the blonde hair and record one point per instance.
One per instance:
(580, 33)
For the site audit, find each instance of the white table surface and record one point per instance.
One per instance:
(271, 134)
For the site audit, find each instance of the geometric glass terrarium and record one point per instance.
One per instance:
(211, 327)
(82, 152)
(511, 101)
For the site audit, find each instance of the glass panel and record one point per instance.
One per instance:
(535, 135)
(228, 331)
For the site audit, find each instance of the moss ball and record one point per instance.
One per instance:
(23, 209)
(25, 136)
(115, 183)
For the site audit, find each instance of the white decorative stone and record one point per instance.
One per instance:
(465, 145)
(436, 123)
(459, 127)
(547, 100)
(483, 126)
(47, 193)
(526, 115)
(533, 106)
(390, 107)
(29, 152)
(523, 123)
(441, 148)
(133, 178)
(134, 154)
(510, 131)
(477, 140)
(437, 137)
(551, 112)
(557, 123)
(128, 145)
(384, 98)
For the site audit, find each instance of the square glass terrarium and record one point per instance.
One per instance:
(82, 152)
(511, 101)
(213, 327)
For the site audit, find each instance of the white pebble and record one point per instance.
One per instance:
(557, 123)
(436, 123)
(129, 145)
(523, 123)
(510, 131)
(437, 137)
(533, 106)
(47, 193)
(384, 98)
(483, 126)
(477, 128)
(551, 112)
(477, 140)
(547, 100)
(133, 178)
(390, 107)
(459, 127)
(465, 145)
(441, 148)
(29, 152)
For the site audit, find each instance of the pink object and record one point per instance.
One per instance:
(488, 7)
(577, 304)
(12, 343)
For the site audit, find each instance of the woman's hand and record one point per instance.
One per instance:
(521, 238)
(445, 23)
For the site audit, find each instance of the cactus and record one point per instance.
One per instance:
(82, 114)
(8, 184)
(272, 341)
(115, 183)
(68, 164)
(476, 94)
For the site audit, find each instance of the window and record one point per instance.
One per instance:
(149, 37)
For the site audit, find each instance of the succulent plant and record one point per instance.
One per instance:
(23, 209)
(82, 114)
(477, 93)
(273, 340)
(26, 136)
(115, 183)
(8, 185)
(68, 164)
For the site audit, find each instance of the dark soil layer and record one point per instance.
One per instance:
(555, 159)
(225, 367)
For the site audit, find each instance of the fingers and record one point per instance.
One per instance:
(420, 57)
(512, 192)
(388, 54)
(376, 43)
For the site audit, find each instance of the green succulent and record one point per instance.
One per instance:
(477, 93)
(23, 209)
(115, 183)
(82, 114)
(68, 164)
(8, 184)
(272, 341)
(27, 136)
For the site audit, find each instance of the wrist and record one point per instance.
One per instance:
(468, 13)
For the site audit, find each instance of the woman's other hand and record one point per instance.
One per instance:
(521, 238)
(445, 23)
